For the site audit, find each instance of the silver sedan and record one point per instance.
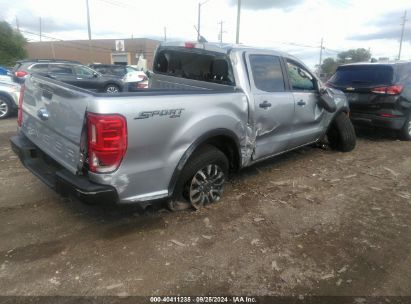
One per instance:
(9, 98)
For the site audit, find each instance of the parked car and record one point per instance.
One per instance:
(9, 97)
(4, 71)
(222, 108)
(379, 94)
(133, 78)
(24, 67)
(78, 75)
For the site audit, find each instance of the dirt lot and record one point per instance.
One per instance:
(309, 222)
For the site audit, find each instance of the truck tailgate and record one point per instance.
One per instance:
(53, 119)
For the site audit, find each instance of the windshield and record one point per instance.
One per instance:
(363, 75)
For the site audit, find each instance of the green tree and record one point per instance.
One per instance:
(330, 64)
(11, 45)
(353, 55)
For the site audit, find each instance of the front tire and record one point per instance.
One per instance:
(5, 107)
(202, 179)
(341, 134)
(405, 133)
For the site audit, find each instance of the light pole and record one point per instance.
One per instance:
(199, 18)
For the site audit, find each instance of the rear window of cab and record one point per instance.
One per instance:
(209, 67)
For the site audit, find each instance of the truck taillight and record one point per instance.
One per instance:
(20, 107)
(391, 90)
(107, 141)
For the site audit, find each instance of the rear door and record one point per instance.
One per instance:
(53, 118)
(307, 126)
(273, 104)
(62, 72)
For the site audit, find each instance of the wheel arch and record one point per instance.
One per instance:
(9, 99)
(345, 109)
(223, 139)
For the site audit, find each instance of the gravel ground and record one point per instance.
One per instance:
(311, 222)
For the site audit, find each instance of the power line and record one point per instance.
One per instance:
(66, 43)
(118, 4)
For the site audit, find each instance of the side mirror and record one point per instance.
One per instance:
(326, 100)
(95, 75)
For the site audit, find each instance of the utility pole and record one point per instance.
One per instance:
(321, 55)
(199, 18)
(198, 21)
(89, 32)
(40, 28)
(52, 49)
(220, 36)
(88, 20)
(165, 33)
(237, 37)
(17, 24)
(404, 21)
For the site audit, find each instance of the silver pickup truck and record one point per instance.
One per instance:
(210, 109)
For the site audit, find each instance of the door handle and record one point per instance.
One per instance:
(301, 103)
(43, 114)
(79, 78)
(265, 105)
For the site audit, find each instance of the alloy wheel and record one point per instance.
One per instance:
(112, 89)
(4, 108)
(206, 186)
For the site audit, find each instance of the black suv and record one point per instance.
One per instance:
(379, 94)
(71, 73)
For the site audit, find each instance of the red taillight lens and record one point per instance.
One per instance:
(189, 45)
(142, 85)
(20, 107)
(391, 90)
(107, 141)
(20, 74)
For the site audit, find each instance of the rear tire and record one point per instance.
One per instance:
(112, 89)
(405, 133)
(5, 107)
(202, 179)
(341, 134)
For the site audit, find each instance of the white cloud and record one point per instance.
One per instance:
(305, 23)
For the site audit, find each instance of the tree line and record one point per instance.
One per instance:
(12, 45)
(329, 65)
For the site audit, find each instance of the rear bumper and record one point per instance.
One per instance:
(394, 123)
(58, 178)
